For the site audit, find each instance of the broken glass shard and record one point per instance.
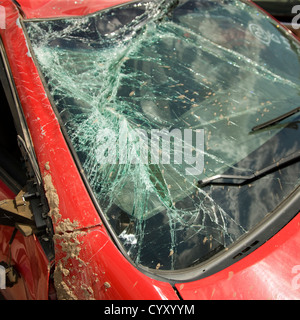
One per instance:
(155, 100)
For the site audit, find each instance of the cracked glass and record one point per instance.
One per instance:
(157, 95)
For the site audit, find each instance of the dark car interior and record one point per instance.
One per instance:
(12, 171)
(10, 155)
(11, 168)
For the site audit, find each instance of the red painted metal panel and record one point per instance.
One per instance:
(5, 192)
(53, 8)
(31, 263)
(90, 268)
(270, 272)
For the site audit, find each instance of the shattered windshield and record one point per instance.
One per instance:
(155, 97)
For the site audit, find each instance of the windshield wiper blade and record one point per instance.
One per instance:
(284, 162)
(275, 120)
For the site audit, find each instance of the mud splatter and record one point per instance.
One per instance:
(66, 239)
(52, 196)
(63, 291)
(70, 244)
(88, 292)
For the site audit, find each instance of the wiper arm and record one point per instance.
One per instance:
(275, 120)
(284, 162)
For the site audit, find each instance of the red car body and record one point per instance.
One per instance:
(88, 265)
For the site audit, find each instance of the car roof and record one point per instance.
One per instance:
(64, 8)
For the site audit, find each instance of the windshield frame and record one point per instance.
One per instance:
(249, 242)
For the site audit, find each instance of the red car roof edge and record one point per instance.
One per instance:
(38, 9)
